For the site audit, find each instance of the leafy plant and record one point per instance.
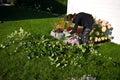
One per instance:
(85, 56)
(61, 23)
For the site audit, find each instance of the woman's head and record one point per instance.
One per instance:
(70, 17)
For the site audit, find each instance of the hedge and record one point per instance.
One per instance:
(55, 6)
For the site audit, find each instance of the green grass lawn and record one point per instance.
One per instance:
(18, 67)
(110, 49)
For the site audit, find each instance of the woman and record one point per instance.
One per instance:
(82, 19)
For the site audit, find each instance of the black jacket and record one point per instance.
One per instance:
(83, 19)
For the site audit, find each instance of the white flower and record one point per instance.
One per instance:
(96, 39)
(104, 29)
(102, 38)
(103, 24)
(91, 38)
(109, 26)
(109, 37)
(97, 33)
(106, 38)
(99, 39)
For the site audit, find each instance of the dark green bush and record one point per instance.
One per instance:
(55, 6)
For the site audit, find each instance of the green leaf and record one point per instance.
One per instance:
(57, 65)
(80, 46)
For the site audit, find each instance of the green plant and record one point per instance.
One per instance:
(101, 31)
(17, 66)
(86, 57)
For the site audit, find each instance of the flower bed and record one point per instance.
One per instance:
(101, 31)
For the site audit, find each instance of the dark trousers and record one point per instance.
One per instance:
(85, 35)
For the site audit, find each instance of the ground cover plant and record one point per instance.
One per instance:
(28, 52)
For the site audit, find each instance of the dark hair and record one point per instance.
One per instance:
(70, 16)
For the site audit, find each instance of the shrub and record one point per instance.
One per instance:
(54, 6)
(85, 57)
